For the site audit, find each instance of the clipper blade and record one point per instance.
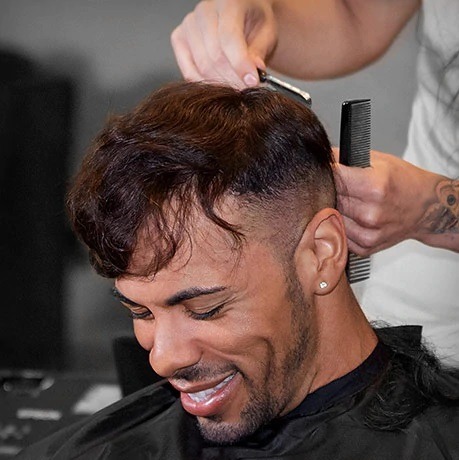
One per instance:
(286, 88)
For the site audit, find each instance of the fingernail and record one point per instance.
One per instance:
(250, 80)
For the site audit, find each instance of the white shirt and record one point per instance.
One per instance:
(411, 282)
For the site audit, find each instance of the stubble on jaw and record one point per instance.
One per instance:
(264, 405)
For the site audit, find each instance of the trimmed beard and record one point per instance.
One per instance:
(263, 406)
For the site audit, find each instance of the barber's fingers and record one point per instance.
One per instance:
(200, 63)
(248, 33)
(364, 213)
(184, 56)
(356, 182)
(225, 40)
(368, 228)
(208, 23)
(364, 241)
(196, 45)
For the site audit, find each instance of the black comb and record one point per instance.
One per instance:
(354, 150)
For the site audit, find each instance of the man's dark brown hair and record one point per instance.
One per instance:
(188, 146)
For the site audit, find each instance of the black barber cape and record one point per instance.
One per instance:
(329, 424)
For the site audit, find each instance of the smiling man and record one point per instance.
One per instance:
(213, 209)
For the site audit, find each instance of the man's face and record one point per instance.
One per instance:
(232, 331)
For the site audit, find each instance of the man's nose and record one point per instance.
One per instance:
(173, 348)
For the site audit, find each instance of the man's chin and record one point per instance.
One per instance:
(260, 410)
(219, 432)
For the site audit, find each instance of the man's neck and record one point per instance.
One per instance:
(345, 337)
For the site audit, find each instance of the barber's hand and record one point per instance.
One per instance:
(386, 203)
(225, 41)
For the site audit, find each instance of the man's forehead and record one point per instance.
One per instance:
(195, 235)
(202, 243)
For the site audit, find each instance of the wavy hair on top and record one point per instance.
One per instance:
(186, 147)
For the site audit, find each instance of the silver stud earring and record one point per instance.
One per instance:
(323, 284)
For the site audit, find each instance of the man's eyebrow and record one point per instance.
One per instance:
(191, 293)
(117, 294)
(179, 297)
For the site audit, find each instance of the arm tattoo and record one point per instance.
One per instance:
(443, 215)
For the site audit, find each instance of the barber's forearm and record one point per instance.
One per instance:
(394, 200)
(439, 226)
(328, 38)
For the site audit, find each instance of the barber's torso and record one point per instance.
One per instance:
(411, 282)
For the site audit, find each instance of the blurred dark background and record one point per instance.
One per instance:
(64, 67)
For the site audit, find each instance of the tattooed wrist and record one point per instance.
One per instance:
(443, 215)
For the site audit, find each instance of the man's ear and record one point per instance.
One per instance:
(321, 254)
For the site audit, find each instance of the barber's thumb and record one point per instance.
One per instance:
(250, 76)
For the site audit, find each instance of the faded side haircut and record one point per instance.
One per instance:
(188, 146)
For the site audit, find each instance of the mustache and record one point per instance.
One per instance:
(202, 371)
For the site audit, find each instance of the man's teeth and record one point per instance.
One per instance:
(201, 396)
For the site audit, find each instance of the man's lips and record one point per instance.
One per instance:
(206, 399)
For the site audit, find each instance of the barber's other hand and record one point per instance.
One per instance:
(225, 41)
(385, 203)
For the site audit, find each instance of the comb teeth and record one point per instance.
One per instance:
(358, 268)
(355, 141)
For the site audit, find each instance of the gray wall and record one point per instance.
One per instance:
(117, 51)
